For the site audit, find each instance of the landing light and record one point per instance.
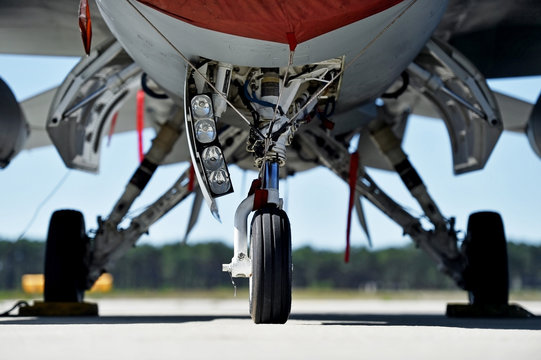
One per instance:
(209, 152)
(205, 131)
(212, 158)
(201, 106)
(219, 181)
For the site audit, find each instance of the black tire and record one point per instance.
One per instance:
(65, 257)
(270, 284)
(486, 275)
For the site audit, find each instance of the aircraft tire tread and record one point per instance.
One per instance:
(270, 284)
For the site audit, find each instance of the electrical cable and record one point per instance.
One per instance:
(246, 101)
(149, 91)
(254, 99)
(47, 198)
(395, 94)
(18, 304)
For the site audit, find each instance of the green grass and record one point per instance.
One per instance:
(16, 294)
(298, 294)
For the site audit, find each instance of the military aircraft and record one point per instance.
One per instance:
(277, 87)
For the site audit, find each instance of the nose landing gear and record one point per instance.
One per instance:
(269, 262)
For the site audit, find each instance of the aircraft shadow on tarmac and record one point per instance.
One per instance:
(420, 320)
(320, 319)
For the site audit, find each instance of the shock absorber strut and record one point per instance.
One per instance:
(390, 146)
(270, 85)
(271, 175)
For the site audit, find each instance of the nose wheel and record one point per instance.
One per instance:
(270, 250)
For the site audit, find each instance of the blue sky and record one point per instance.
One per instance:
(316, 200)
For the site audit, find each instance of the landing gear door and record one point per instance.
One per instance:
(464, 100)
(86, 102)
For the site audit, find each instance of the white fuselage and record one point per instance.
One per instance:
(376, 49)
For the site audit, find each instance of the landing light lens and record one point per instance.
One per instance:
(201, 106)
(205, 131)
(209, 153)
(219, 182)
(212, 158)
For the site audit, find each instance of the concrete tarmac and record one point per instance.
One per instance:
(131, 329)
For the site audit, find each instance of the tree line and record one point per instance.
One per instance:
(198, 266)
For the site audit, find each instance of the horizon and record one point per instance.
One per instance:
(317, 215)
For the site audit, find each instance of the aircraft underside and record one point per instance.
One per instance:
(278, 114)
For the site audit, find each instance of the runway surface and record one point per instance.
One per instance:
(130, 329)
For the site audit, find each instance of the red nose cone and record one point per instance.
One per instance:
(272, 20)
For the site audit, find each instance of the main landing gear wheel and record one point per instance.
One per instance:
(486, 275)
(65, 252)
(270, 284)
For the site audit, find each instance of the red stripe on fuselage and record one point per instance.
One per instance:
(271, 20)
